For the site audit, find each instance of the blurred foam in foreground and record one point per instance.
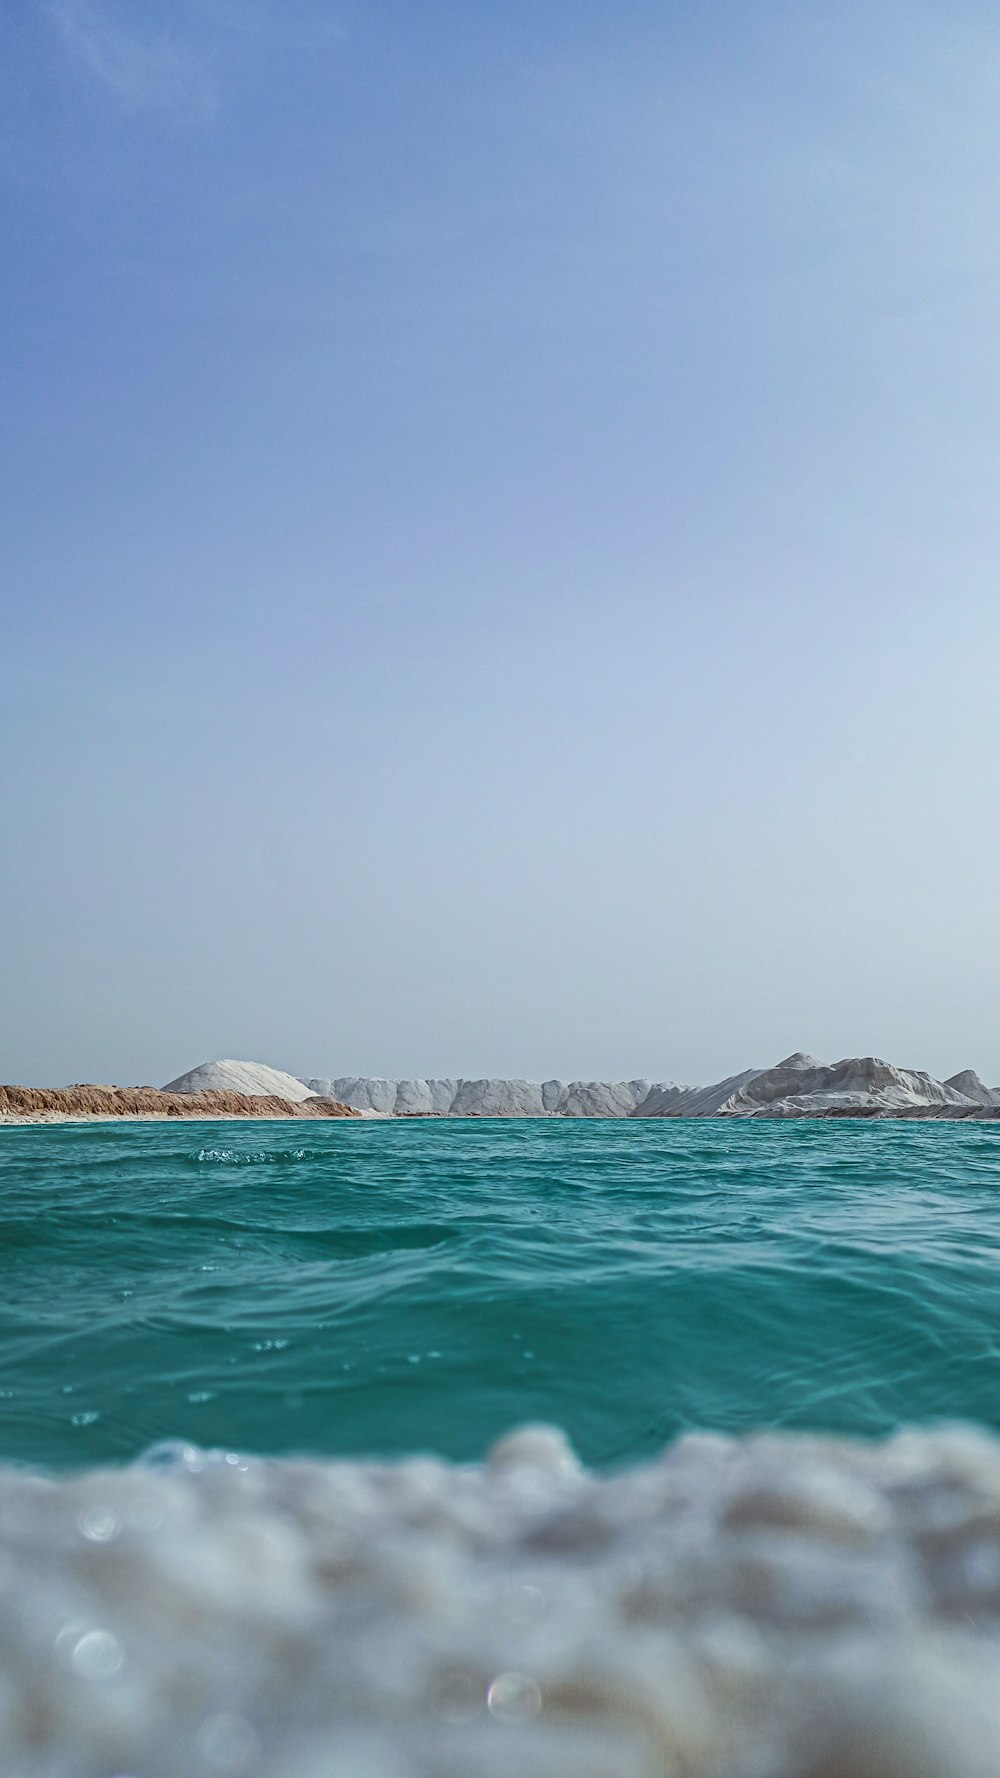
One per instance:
(761, 1607)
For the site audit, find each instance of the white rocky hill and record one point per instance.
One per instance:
(800, 1086)
(671, 1101)
(253, 1078)
(969, 1084)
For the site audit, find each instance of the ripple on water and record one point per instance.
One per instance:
(384, 1287)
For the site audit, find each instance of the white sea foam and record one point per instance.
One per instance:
(768, 1607)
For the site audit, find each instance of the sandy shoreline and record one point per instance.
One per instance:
(910, 1115)
(18, 1119)
(86, 1103)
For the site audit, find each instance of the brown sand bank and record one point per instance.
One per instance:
(50, 1104)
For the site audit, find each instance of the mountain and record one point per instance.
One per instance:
(251, 1078)
(802, 1087)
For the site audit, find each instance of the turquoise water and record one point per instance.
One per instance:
(374, 1288)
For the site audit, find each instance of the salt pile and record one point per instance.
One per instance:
(767, 1607)
(802, 1087)
(250, 1078)
(527, 1098)
(799, 1086)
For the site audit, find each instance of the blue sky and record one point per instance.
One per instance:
(500, 528)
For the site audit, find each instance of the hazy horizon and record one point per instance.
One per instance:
(500, 537)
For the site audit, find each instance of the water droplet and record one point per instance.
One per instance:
(100, 1524)
(514, 1697)
(67, 1639)
(98, 1655)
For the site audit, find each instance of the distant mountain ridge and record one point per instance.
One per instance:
(798, 1086)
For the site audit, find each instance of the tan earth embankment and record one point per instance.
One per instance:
(50, 1104)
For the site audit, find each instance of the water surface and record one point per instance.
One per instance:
(382, 1287)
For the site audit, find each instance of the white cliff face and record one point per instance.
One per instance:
(490, 1097)
(374, 1093)
(418, 1095)
(498, 1098)
(602, 1098)
(253, 1078)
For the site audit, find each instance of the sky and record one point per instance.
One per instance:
(499, 523)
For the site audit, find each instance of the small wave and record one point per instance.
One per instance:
(829, 1278)
(257, 1157)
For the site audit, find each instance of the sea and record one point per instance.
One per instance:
(375, 1288)
(473, 1449)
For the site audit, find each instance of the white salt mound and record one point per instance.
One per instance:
(801, 1085)
(253, 1078)
(764, 1607)
(674, 1101)
(971, 1087)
